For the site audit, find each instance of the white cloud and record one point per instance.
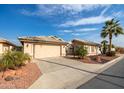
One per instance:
(76, 34)
(105, 10)
(82, 7)
(87, 29)
(62, 8)
(79, 30)
(80, 34)
(67, 31)
(118, 14)
(86, 21)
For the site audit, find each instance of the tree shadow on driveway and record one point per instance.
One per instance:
(109, 75)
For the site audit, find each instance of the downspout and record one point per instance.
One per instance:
(33, 50)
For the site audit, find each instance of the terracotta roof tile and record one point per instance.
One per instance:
(87, 42)
(42, 39)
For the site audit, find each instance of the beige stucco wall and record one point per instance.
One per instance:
(28, 48)
(93, 50)
(44, 50)
(5, 47)
(11, 47)
(1, 46)
(63, 50)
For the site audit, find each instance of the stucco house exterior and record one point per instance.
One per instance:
(43, 46)
(92, 47)
(5, 45)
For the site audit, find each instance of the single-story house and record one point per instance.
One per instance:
(92, 47)
(120, 49)
(43, 46)
(5, 45)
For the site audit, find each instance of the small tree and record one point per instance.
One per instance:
(81, 51)
(104, 46)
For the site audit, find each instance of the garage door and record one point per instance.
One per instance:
(42, 51)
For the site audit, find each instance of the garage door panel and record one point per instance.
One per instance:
(42, 51)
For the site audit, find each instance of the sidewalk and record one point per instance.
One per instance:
(67, 73)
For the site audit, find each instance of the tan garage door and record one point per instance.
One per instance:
(42, 51)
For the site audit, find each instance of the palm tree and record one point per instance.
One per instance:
(104, 46)
(112, 27)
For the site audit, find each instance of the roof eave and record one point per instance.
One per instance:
(41, 41)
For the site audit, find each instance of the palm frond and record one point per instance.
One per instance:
(104, 34)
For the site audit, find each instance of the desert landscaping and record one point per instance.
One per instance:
(17, 70)
(21, 78)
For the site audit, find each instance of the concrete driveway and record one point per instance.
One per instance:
(53, 64)
(63, 73)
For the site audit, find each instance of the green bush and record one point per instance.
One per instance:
(20, 58)
(7, 60)
(13, 60)
(81, 51)
(112, 53)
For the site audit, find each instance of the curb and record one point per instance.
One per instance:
(90, 76)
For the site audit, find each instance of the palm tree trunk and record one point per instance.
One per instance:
(110, 42)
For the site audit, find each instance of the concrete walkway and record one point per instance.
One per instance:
(66, 73)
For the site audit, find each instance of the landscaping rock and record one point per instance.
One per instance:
(9, 73)
(98, 59)
(9, 78)
(87, 58)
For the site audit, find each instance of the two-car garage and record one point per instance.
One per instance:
(47, 50)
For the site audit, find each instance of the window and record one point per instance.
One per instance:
(92, 49)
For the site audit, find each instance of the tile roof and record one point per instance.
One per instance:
(42, 39)
(87, 42)
(6, 41)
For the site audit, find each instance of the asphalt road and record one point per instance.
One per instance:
(112, 78)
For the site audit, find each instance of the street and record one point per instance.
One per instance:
(112, 78)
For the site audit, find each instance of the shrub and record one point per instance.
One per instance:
(81, 51)
(7, 60)
(13, 60)
(112, 53)
(104, 47)
(20, 58)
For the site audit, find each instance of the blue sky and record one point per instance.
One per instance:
(65, 21)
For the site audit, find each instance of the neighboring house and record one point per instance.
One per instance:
(5, 45)
(92, 48)
(43, 46)
(120, 50)
(70, 49)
